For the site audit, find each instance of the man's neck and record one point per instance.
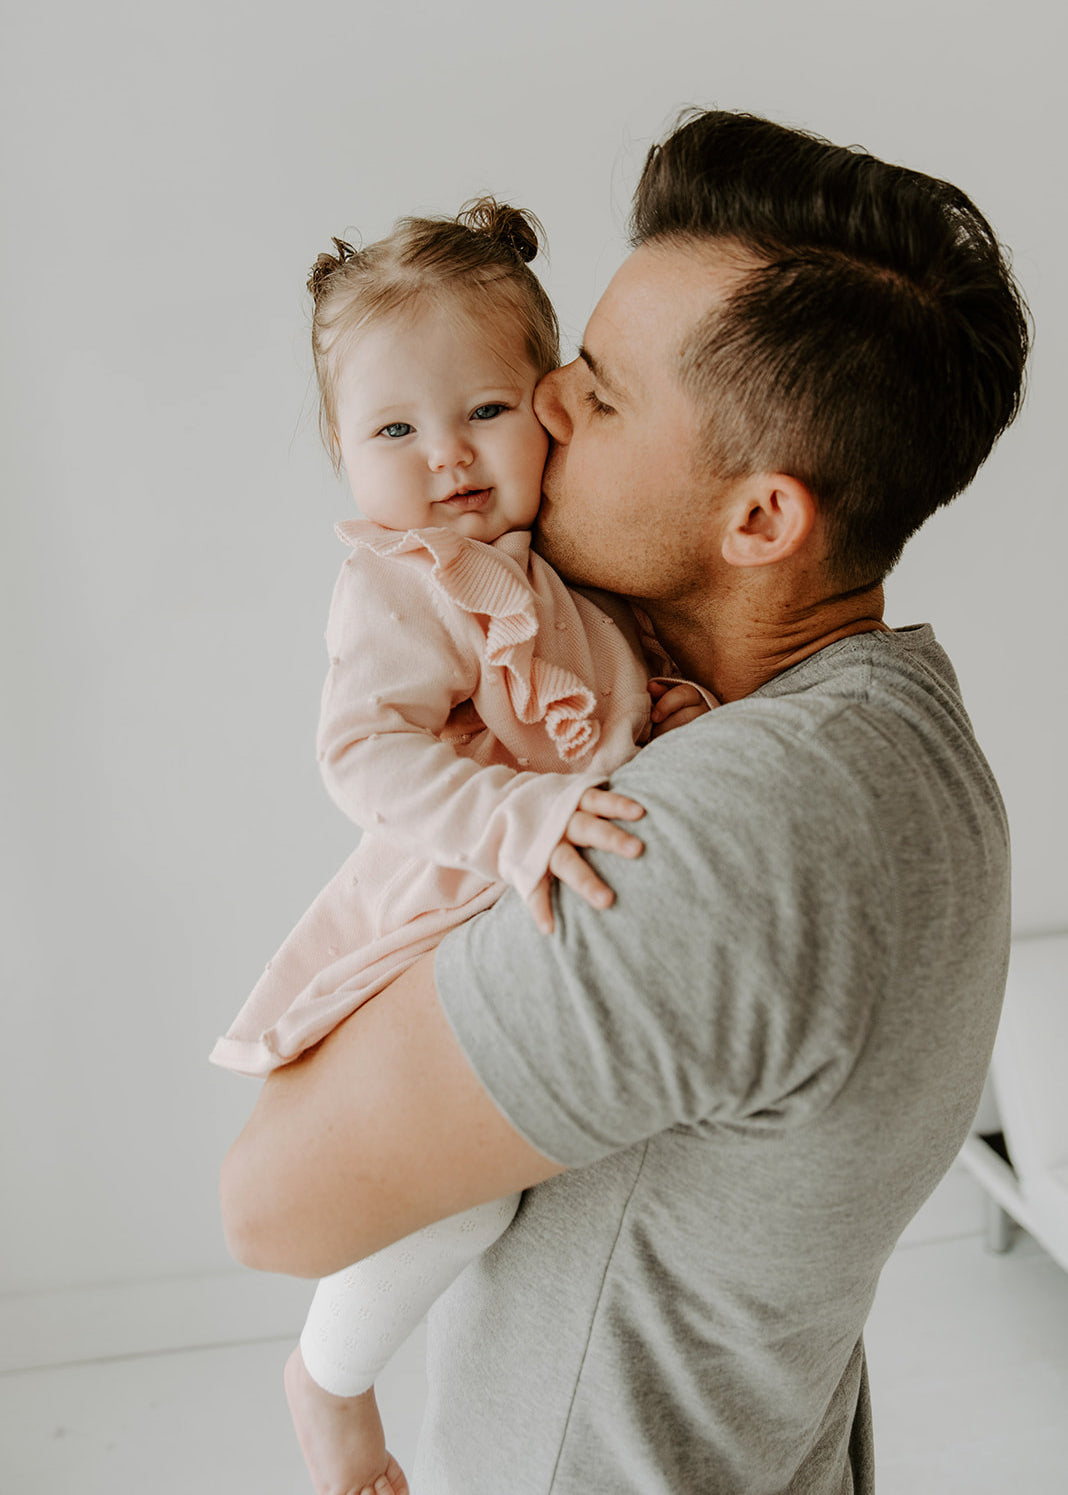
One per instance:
(734, 646)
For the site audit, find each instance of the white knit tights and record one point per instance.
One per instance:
(361, 1315)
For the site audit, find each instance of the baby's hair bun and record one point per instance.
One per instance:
(328, 265)
(520, 231)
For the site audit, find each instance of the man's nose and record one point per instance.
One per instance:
(550, 396)
(450, 449)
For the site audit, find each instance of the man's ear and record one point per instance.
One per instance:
(769, 517)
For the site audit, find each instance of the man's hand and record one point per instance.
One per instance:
(675, 705)
(590, 825)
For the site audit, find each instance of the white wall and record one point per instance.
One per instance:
(170, 173)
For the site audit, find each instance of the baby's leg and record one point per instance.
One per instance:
(358, 1318)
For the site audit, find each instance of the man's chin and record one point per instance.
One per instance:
(568, 564)
(547, 544)
(540, 541)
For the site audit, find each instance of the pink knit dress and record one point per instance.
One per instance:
(472, 698)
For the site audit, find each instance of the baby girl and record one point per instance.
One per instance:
(474, 708)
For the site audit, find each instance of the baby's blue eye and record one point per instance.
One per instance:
(487, 412)
(396, 429)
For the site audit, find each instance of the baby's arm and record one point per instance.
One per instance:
(591, 825)
(392, 688)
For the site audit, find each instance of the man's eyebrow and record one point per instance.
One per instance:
(598, 372)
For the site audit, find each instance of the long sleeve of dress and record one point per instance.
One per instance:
(402, 659)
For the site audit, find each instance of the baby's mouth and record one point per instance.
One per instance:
(467, 498)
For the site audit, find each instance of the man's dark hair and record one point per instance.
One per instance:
(877, 351)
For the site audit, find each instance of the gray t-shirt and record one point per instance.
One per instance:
(758, 1064)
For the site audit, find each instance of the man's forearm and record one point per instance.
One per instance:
(381, 1129)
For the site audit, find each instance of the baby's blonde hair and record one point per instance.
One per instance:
(477, 262)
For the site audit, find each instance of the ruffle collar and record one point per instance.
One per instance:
(491, 583)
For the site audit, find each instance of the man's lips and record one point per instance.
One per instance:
(467, 498)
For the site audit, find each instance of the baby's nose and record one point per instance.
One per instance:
(451, 449)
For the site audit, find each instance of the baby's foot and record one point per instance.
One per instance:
(340, 1437)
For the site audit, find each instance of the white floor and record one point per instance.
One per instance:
(968, 1354)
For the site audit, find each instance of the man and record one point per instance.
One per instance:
(728, 1093)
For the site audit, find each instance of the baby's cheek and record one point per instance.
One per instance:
(536, 445)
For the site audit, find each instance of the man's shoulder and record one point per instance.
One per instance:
(826, 765)
(897, 692)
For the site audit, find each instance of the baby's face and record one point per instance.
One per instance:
(437, 428)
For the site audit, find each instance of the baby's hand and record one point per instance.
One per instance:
(590, 825)
(675, 705)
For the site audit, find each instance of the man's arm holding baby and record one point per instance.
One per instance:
(384, 1127)
(380, 1130)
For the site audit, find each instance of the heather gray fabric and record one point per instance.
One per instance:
(758, 1063)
